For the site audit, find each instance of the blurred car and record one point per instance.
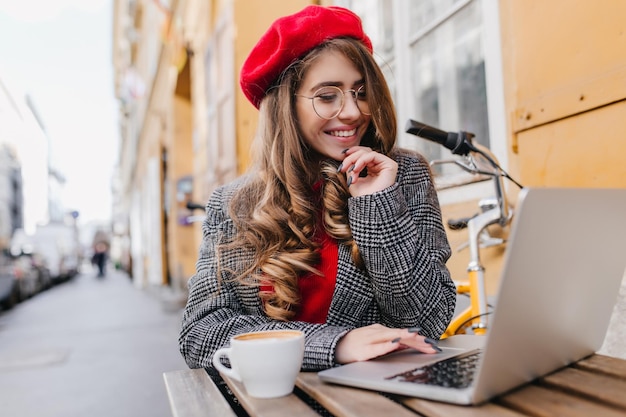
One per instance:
(27, 276)
(38, 264)
(9, 286)
(59, 244)
(54, 247)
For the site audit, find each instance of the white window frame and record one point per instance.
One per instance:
(220, 99)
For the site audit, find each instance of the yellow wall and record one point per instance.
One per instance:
(585, 150)
(565, 88)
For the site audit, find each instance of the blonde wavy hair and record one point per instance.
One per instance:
(274, 212)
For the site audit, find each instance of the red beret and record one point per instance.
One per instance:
(289, 38)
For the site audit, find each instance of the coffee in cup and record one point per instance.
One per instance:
(266, 362)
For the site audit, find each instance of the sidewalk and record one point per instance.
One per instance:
(88, 347)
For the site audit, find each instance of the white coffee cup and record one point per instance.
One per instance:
(266, 362)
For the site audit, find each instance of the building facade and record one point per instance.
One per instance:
(23, 173)
(547, 99)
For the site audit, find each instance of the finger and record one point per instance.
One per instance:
(352, 155)
(355, 149)
(379, 349)
(395, 336)
(363, 166)
(377, 333)
(409, 339)
(423, 344)
(375, 350)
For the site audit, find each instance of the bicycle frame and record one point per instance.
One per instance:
(476, 314)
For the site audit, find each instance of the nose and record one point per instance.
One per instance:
(350, 109)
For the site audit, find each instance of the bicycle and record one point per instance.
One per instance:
(483, 165)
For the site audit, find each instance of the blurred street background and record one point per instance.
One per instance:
(92, 346)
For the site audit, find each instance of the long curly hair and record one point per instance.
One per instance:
(274, 212)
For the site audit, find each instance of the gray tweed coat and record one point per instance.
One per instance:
(406, 283)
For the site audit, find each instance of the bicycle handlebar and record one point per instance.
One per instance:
(194, 206)
(459, 143)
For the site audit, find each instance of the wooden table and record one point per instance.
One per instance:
(595, 386)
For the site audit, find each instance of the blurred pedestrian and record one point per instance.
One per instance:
(99, 258)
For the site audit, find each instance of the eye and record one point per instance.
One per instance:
(361, 93)
(327, 95)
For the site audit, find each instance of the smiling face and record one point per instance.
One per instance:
(330, 137)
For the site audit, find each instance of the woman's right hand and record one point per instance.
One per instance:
(375, 340)
(381, 170)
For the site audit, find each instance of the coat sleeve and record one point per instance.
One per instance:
(219, 308)
(403, 242)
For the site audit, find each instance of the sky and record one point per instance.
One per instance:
(59, 53)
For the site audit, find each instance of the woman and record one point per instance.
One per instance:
(334, 231)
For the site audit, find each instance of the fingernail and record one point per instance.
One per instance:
(349, 180)
(351, 168)
(345, 150)
(396, 340)
(339, 167)
(415, 329)
(431, 341)
(437, 348)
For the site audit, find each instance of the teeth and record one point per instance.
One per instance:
(343, 133)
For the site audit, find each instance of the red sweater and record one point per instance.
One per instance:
(316, 292)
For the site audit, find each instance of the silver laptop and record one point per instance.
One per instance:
(561, 275)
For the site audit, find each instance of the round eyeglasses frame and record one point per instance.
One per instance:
(326, 91)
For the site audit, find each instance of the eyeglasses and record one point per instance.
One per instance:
(329, 101)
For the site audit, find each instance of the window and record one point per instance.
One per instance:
(448, 72)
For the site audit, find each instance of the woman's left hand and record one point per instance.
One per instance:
(365, 343)
(381, 170)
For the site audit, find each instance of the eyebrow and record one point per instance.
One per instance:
(335, 84)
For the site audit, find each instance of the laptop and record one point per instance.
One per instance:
(561, 275)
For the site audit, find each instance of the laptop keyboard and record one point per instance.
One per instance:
(455, 372)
